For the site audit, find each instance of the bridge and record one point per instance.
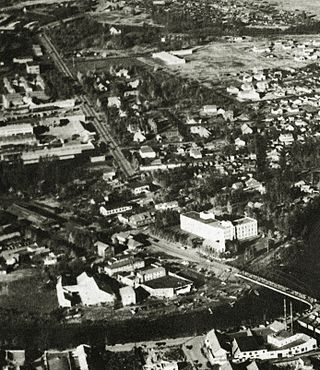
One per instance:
(304, 298)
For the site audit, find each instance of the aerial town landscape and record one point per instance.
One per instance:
(159, 184)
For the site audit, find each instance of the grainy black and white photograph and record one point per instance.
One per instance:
(159, 184)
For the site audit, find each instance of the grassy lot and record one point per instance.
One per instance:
(25, 291)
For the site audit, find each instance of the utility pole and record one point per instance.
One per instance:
(291, 317)
(285, 313)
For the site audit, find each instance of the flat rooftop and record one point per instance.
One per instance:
(196, 216)
(243, 220)
(167, 282)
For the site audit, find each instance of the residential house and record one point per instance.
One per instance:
(103, 249)
(114, 101)
(138, 188)
(141, 219)
(114, 31)
(33, 68)
(195, 153)
(139, 137)
(167, 205)
(209, 109)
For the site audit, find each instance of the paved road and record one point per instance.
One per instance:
(102, 127)
(149, 344)
(54, 54)
(219, 267)
(100, 123)
(192, 255)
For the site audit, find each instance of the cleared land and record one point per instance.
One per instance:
(223, 60)
(311, 6)
(25, 291)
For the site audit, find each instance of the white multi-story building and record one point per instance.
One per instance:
(245, 228)
(203, 224)
(215, 232)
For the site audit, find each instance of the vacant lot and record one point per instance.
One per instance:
(223, 60)
(25, 291)
(311, 6)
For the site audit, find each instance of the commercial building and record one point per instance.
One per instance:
(16, 129)
(168, 59)
(216, 349)
(82, 290)
(150, 273)
(245, 228)
(168, 286)
(68, 151)
(215, 232)
(203, 224)
(124, 264)
(283, 344)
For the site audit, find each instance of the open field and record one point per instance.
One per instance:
(124, 19)
(311, 6)
(223, 60)
(24, 290)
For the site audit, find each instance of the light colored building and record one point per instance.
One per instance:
(168, 286)
(147, 152)
(138, 188)
(150, 273)
(215, 350)
(114, 101)
(83, 289)
(16, 129)
(114, 209)
(166, 205)
(128, 296)
(13, 101)
(283, 344)
(203, 224)
(168, 58)
(33, 68)
(141, 219)
(68, 151)
(23, 60)
(245, 228)
(124, 264)
(210, 109)
(37, 50)
(102, 248)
